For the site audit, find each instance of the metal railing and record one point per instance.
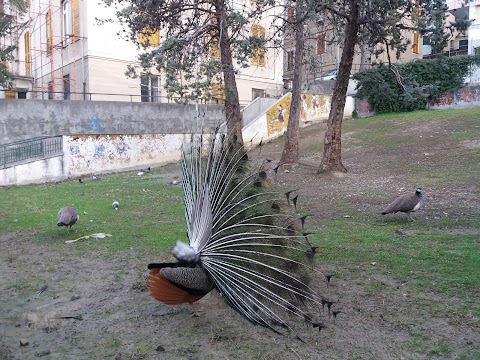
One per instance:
(30, 150)
(94, 96)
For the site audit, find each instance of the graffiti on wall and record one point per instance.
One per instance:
(312, 107)
(277, 115)
(95, 124)
(97, 153)
(468, 96)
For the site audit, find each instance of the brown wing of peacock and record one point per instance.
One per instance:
(178, 285)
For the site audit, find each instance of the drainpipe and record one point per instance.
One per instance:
(82, 27)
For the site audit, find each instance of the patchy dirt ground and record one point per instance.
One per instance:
(95, 307)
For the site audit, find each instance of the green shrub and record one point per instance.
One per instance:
(410, 86)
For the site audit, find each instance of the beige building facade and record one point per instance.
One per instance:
(73, 57)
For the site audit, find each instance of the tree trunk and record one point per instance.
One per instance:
(290, 154)
(232, 102)
(332, 151)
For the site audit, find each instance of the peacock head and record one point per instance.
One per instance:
(185, 253)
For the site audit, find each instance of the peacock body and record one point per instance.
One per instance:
(67, 216)
(406, 203)
(240, 242)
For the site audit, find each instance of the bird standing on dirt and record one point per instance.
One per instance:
(238, 244)
(67, 216)
(406, 204)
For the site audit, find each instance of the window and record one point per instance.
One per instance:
(452, 44)
(21, 94)
(51, 90)
(66, 87)
(149, 88)
(321, 44)
(463, 44)
(258, 93)
(48, 32)
(28, 56)
(258, 57)
(415, 43)
(154, 93)
(66, 21)
(149, 37)
(290, 59)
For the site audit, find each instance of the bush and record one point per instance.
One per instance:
(410, 86)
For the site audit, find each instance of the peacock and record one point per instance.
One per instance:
(406, 203)
(67, 216)
(243, 240)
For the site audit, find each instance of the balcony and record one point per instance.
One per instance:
(452, 52)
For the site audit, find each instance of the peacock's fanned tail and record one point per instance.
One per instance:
(253, 253)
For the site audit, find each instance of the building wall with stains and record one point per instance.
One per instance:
(88, 154)
(25, 119)
(97, 154)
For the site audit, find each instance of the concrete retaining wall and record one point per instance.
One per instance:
(25, 119)
(39, 171)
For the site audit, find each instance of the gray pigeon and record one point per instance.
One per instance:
(67, 216)
(143, 171)
(406, 204)
(115, 205)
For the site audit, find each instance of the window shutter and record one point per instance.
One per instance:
(149, 37)
(10, 94)
(76, 18)
(415, 43)
(49, 28)
(321, 44)
(28, 58)
(259, 52)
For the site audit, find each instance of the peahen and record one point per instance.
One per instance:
(67, 216)
(407, 203)
(240, 243)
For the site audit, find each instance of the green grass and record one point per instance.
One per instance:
(150, 216)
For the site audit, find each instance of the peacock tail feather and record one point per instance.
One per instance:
(254, 253)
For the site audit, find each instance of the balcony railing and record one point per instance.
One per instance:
(452, 52)
(93, 96)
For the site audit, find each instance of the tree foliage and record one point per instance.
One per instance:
(382, 26)
(412, 85)
(198, 38)
(8, 24)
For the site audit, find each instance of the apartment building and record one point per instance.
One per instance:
(20, 67)
(71, 56)
(322, 53)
